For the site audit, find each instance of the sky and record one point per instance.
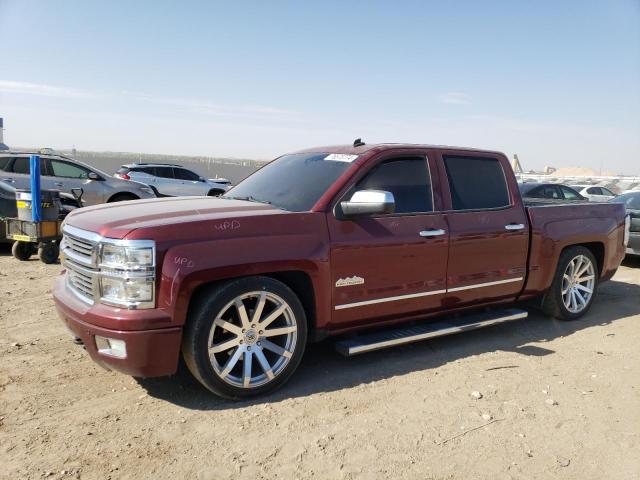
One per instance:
(558, 83)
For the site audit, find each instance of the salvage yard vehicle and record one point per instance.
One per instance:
(375, 245)
(549, 191)
(631, 201)
(172, 180)
(593, 193)
(66, 175)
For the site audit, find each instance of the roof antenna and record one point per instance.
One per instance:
(358, 142)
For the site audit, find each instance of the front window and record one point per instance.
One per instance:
(68, 170)
(293, 182)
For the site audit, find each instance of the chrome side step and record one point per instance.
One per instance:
(368, 342)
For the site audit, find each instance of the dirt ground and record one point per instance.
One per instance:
(559, 400)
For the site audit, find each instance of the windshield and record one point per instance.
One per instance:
(631, 200)
(292, 182)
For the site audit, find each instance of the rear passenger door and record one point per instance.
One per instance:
(17, 173)
(488, 229)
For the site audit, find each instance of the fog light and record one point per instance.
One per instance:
(111, 346)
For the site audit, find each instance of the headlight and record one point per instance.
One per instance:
(127, 273)
(126, 257)
(125, 291)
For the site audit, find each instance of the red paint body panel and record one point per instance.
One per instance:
(204, 240)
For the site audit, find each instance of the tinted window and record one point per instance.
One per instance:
(164, 172)
(22, 165)
(4, 162)
(292, 182)
(408, 180)
(68, 170)
(184, 174)
(570, 194)
(593, 191)
(547, 191)
(476, 182)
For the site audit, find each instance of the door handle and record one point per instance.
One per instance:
(8, 180)
(58, 184)
(434, 232)
(514, 226)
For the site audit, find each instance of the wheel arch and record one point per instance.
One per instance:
(129, 195)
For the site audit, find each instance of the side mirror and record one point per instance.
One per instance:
(369, 202)
(94, 176)
(202, 179)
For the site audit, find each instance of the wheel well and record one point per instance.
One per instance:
(127, 195)
(296, 280)
(597, 249)
(215, 192)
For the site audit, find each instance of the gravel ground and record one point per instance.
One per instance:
(534, 399)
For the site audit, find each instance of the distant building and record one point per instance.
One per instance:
(2, 144)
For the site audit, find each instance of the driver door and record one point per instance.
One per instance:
(385, 267)
(66, 176)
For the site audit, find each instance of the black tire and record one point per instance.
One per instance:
(199, 329)
(49, 252)
(215, 193)
(553, 303)
(22, 250)
(123, 197)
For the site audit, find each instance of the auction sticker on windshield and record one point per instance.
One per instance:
(341, 157)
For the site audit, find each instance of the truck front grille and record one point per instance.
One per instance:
(79, 250)
(82, 281)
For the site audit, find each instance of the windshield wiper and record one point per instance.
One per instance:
(249, 198)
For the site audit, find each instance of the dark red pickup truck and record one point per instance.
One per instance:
(370, 243)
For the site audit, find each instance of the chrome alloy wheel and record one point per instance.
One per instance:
(252, 339)
(578, 283)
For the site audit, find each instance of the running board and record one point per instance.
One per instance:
(368, 342)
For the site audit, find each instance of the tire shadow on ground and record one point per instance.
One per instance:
(324, 370)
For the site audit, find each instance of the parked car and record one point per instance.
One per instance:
(549, 191)
(325, 242)
(173, 180)
(631, 201)
(594, 193)
(65, 174)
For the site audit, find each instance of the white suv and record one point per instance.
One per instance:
(173, 180)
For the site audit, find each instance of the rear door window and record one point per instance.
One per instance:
(22, 165)
(4, 162)
(476, 183)
(163, 172)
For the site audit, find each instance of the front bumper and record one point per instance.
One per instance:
(150, 353)
(634, 244)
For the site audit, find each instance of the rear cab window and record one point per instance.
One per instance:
(476, 183)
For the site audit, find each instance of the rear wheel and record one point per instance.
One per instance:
(245, 337)
(122, 197)
(574, 285)
(23, 250)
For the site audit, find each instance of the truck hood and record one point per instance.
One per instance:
(117, 220)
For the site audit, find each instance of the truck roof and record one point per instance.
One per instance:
(378, 147)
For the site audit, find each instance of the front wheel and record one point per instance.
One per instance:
(245, 337)
(49, 252)
(22, 250)
(574, 285)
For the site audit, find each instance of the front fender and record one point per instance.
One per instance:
(187, 267)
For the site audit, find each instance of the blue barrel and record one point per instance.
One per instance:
(36, 207)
